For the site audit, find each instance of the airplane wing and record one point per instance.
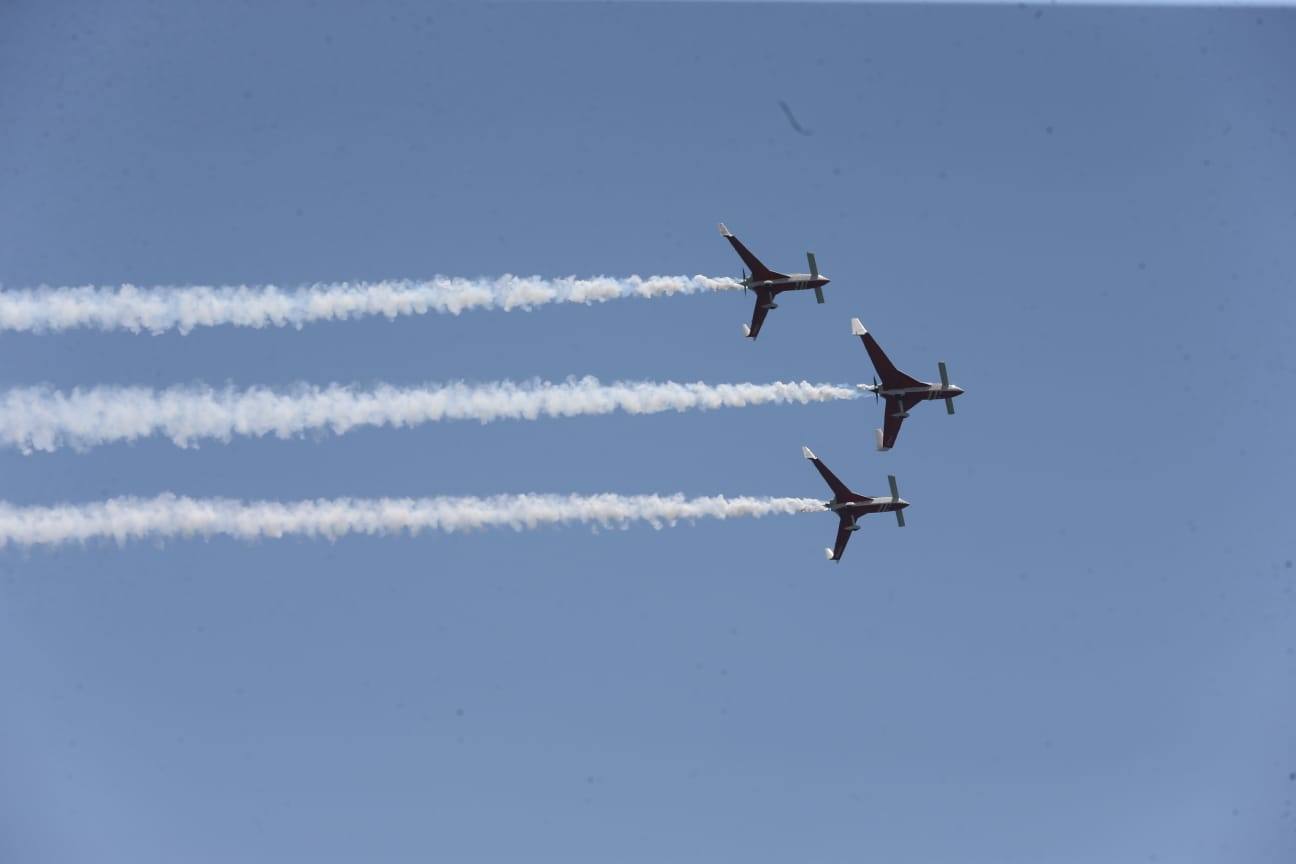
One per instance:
(763, 298)
(839, 490)
(895, 406)
(843, 537)
(886, 370)
(758, 270)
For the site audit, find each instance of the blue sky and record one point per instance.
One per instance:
(1080, 648)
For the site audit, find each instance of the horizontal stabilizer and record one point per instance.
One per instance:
(900, 518)
(895, 489)
(949, 406)
(818, 294)
(805, 451)
(857, 329)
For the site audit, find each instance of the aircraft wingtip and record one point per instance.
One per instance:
(746, 331)
(807, 452)
(724, 231)
(857, 329)
(828, 553)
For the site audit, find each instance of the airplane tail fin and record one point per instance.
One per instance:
(895, 496)
(944, 376)
(814, 274)
(886, 370)
(759, 271)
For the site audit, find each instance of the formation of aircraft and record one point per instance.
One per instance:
(768, 284)
(899, 390)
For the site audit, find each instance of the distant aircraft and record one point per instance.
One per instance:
(768, 284)
(849, 507)
(900, 391)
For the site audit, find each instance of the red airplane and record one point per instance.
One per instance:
(849, 506)
(768, 284)
(901, 391)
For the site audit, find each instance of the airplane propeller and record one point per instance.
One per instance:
(944, 376)
(744, 279)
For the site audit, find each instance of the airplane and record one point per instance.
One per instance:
(900, 390)
(768, 284)
(849, 506)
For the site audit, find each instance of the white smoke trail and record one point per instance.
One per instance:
(125, 519)
(163, 308)
(37, 418)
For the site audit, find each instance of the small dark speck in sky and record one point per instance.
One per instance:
(787, 112)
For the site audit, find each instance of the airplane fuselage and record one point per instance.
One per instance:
(854, 509)
(794, 282)
(927, 391)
